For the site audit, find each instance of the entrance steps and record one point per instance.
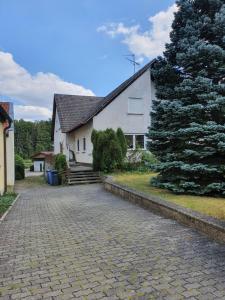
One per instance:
(74, 177)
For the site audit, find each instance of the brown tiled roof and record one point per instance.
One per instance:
(42, 154)
(75, 111)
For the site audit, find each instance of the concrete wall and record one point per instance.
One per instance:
(2, 182)
(116, 114)
(10, 160)
(83, 132)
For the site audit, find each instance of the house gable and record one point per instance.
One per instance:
(76, 111)
(121, 113)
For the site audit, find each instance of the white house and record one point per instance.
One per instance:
(127, 107)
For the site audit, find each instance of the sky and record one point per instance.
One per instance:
(74, 47)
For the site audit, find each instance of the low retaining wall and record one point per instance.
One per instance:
(212, 227)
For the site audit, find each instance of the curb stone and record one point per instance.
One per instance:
(8, 210)
(214, 228)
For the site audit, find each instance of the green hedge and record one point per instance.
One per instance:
(19, 167)
(109, 149)
(60, 163)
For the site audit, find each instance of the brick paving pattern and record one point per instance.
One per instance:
(84, 243)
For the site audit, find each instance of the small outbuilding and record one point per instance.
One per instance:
(41, 159)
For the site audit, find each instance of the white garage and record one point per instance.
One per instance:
(39, 160)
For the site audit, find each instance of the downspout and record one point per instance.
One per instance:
(5, 158)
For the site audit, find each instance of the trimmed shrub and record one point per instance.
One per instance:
(122, 141)
(139, 160)
(19, 168)
(108, 151)
(60, 163)
(148, 158)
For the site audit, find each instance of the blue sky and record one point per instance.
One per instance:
(70, 46)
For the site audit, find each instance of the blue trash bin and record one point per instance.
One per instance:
(48, 176)
(55, 177)
(51, 177)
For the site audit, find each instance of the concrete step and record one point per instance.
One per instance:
(83, 172)
(82, 175)
(84, 178)
(75, 182)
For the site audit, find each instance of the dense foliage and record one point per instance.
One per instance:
(19, 167)
(139, 161)
(109, 149)
(188, 127)
(60, 163)
(32, 137)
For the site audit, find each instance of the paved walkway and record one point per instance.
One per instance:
(84, 243)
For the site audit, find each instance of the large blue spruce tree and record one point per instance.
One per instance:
(188, 119)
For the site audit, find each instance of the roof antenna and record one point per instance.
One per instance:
(132, 60)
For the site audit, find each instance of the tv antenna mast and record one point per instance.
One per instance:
(132, 59)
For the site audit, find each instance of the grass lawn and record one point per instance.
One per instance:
(214, 207)
(5, 202)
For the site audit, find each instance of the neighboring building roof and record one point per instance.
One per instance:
(4, 117)
(76, 111)
(42, 154)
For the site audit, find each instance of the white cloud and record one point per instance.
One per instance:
(113, 29)
(150, 43)
(31, 113)
(32, 90)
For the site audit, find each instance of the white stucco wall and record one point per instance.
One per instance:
(116, 113)
(10, 160)
(60, 137)
(82, 132)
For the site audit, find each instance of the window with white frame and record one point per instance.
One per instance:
(140, 141)
(130, 141)
(135, 106)
(78, 145)
(135, 141)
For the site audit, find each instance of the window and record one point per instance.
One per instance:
(84, 144)
(140, 141)
(130, 142)
(135, 106)
(135, 141)
(78, 145)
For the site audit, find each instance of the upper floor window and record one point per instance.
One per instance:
(135, 106)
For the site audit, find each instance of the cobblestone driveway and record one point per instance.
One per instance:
(84, 243)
